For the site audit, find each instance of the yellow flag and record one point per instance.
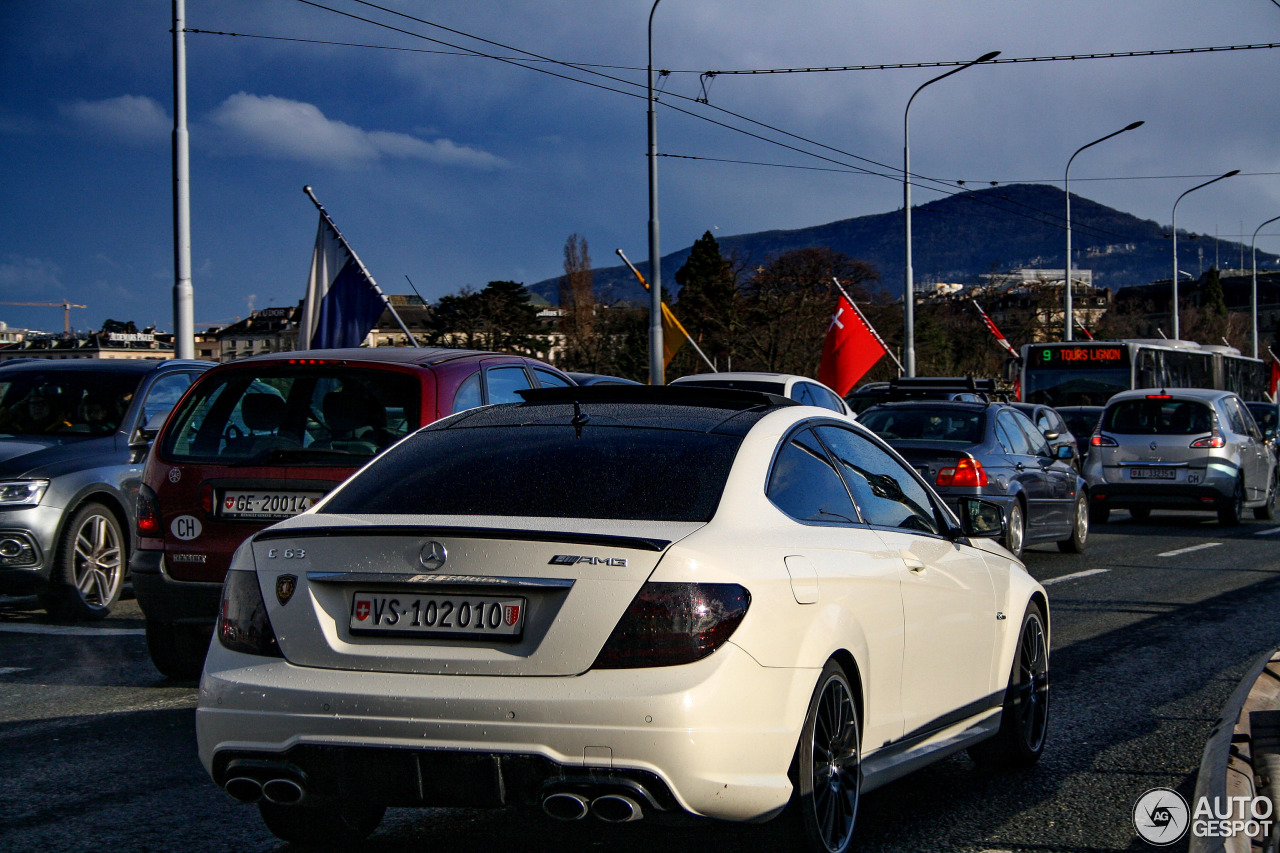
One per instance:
(673, 336)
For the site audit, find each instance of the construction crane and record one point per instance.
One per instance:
(64, 305)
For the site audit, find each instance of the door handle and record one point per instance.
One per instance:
(914, 565)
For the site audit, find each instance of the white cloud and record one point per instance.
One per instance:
(293, 130)
(134, 119)
(22, 278)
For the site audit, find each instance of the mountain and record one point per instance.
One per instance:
(956, 239)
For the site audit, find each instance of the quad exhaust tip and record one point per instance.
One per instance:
(566, 806)
(615, 808)
(282, 792)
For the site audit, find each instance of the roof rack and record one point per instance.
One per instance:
(675, 395)
(942, 388)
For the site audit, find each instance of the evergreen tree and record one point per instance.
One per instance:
(708, 302)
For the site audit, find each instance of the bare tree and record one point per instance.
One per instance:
(578, 306)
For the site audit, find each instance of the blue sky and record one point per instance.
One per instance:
(457, 170)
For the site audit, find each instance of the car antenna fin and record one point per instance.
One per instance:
(580, 418)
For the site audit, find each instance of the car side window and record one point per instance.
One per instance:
(805, 486)
(1234, 419)
(1035, 439)
(801, 394)
(1014, 439)
(884, 490)
(827, 399)
(1248, 427)
(504, 382)
(468, 394)
(547, 379)
(164, 394)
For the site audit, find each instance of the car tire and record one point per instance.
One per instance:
(89, 566)
(1231, 509)
(1074, 544)
(178, 651)
(1140, 513)
(1099, 514)
(335, 826)
(1267, 512)
(1025, 719)
(826, 773)
(1015, 531)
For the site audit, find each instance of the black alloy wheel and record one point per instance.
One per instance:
(1231, 510)
(1024, 722)
(827, 772)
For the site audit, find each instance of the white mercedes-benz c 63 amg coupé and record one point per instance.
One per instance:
(621, 602)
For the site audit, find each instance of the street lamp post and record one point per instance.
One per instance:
(656, 372)
(1066, 302)
(1253, 291)
(1174, 229)
(908, 290)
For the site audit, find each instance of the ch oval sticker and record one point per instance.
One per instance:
(186, 527)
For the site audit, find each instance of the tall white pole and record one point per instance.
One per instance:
(183, 294)
(1066, 181)
(1174, 228)
(657, 376)
(908, 287)
(1253, 291)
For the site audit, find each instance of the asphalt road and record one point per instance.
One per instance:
(1152, 630)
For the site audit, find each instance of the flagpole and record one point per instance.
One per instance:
(633, 269)
(867, 323)
(352, 252)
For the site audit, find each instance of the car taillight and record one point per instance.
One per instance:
(206, 498)
(243, 624)
(669, 624)
(1100, 440)
(967, 472)
(149, 523)
(1215, 440)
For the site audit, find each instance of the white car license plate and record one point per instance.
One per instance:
(1153, 474)
(244, 504)
(454, 615)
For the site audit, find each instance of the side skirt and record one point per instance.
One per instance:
(915, 751)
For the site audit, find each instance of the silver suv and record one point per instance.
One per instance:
(72, 445)
(1185, 448)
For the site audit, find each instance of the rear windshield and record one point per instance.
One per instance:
(65, 402)
(931, 424)
(292, 416)
(1158, 417)
(613, 472)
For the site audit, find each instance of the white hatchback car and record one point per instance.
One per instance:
(620, 602)
(802, 389)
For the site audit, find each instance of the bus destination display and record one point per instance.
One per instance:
(1081, 357)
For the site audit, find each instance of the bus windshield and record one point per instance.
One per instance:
(1074, 388)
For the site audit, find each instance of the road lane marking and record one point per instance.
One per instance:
(1267, 532)
(10, 670)
(1189, 550)
(72, 630)
(1074, 576)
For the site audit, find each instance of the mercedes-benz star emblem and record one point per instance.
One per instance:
(432, 555)
(1153, 445)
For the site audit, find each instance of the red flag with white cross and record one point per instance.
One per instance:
(851, 349)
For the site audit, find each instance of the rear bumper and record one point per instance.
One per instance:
(1167, 496)
(164, 599)
(718, 735)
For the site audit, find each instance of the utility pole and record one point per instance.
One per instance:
(183, 293)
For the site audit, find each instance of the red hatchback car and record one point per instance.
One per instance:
(262, 439)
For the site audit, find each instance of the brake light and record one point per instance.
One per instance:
(1159, 396)
(668, 624)
(1215, 440)
(1100, 440)
(243, 624)
(149, 523)
(316, 361)
(967, 472)
(206, 498)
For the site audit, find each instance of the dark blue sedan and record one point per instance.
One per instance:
(993, 451)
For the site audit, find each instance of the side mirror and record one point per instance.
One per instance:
(146, 433)
(1066, 451)
(981, 518)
